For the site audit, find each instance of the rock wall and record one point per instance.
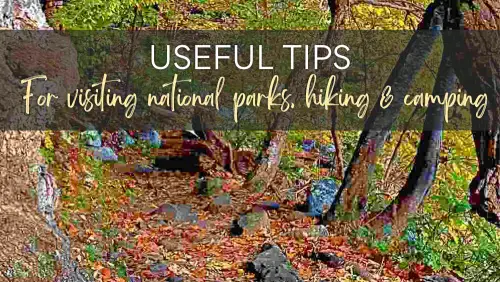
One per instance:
(23, 55)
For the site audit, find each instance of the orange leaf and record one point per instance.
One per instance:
(200, 273)
(106, 273)
(364, 249)
(73, 231)
(338, 240)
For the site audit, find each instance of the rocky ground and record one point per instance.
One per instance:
(129, 223)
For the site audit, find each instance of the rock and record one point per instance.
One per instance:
(308, 145)
(326, 159)
(184, 214)
(254, 221)
(181, 213)
(202, 186)
(330, 259)
(220, 204)
(174, 279)
(105, 154)
(319, 231)
(436, 278)
(208, 187)
(143, 168)
(177, 163)
(125, 138)
(268, 205)
(92, 138)
(251, 222)
(222, 200)
(152, 136)
(327, 149)
(321, 195)
(271, 265)
(168, 209)
(159, 268)
(236, 229)
(22, 14)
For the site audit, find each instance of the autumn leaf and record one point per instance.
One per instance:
(106, 273)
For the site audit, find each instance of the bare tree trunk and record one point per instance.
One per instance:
(266, 171)
(426, 162)
(364, 157)
(478, 69)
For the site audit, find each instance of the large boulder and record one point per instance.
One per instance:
(321, 195)
(252, 222)
(271, 265)
(24, 54)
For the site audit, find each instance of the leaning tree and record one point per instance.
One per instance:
(476, 70)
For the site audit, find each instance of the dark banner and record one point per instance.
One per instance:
(249, 80)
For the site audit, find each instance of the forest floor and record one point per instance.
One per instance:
(119, 230)
(115, 236)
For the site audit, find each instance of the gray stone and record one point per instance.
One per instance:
(243, 221)
(319, 231)
(47, 197)
(184, 214)
(271, 265)
(175, 279)
(181, 213)
(12, 12)
(436, 278)
(222, 200)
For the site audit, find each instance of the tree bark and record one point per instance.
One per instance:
(270, 157)
(478, 69)
(363, 161)
(426, 161)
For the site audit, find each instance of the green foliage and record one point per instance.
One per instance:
(349, 143)
(245, 139)
(259, 186)
(110, 232)
(93, 253)
(48, 154)
(287, 165)
(121, 269)
(46, 266)
(279, 15)
(295, 137)
(369, 237)
(144, 146)
(105, 14)
(20, 271)
(131, 194)
(96, 172)
(212, 186)
(81, 202)
(454, 240)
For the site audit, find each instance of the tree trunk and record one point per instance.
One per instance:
(266, 170)
(479, 71)
(363, 160)
(426, 162)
